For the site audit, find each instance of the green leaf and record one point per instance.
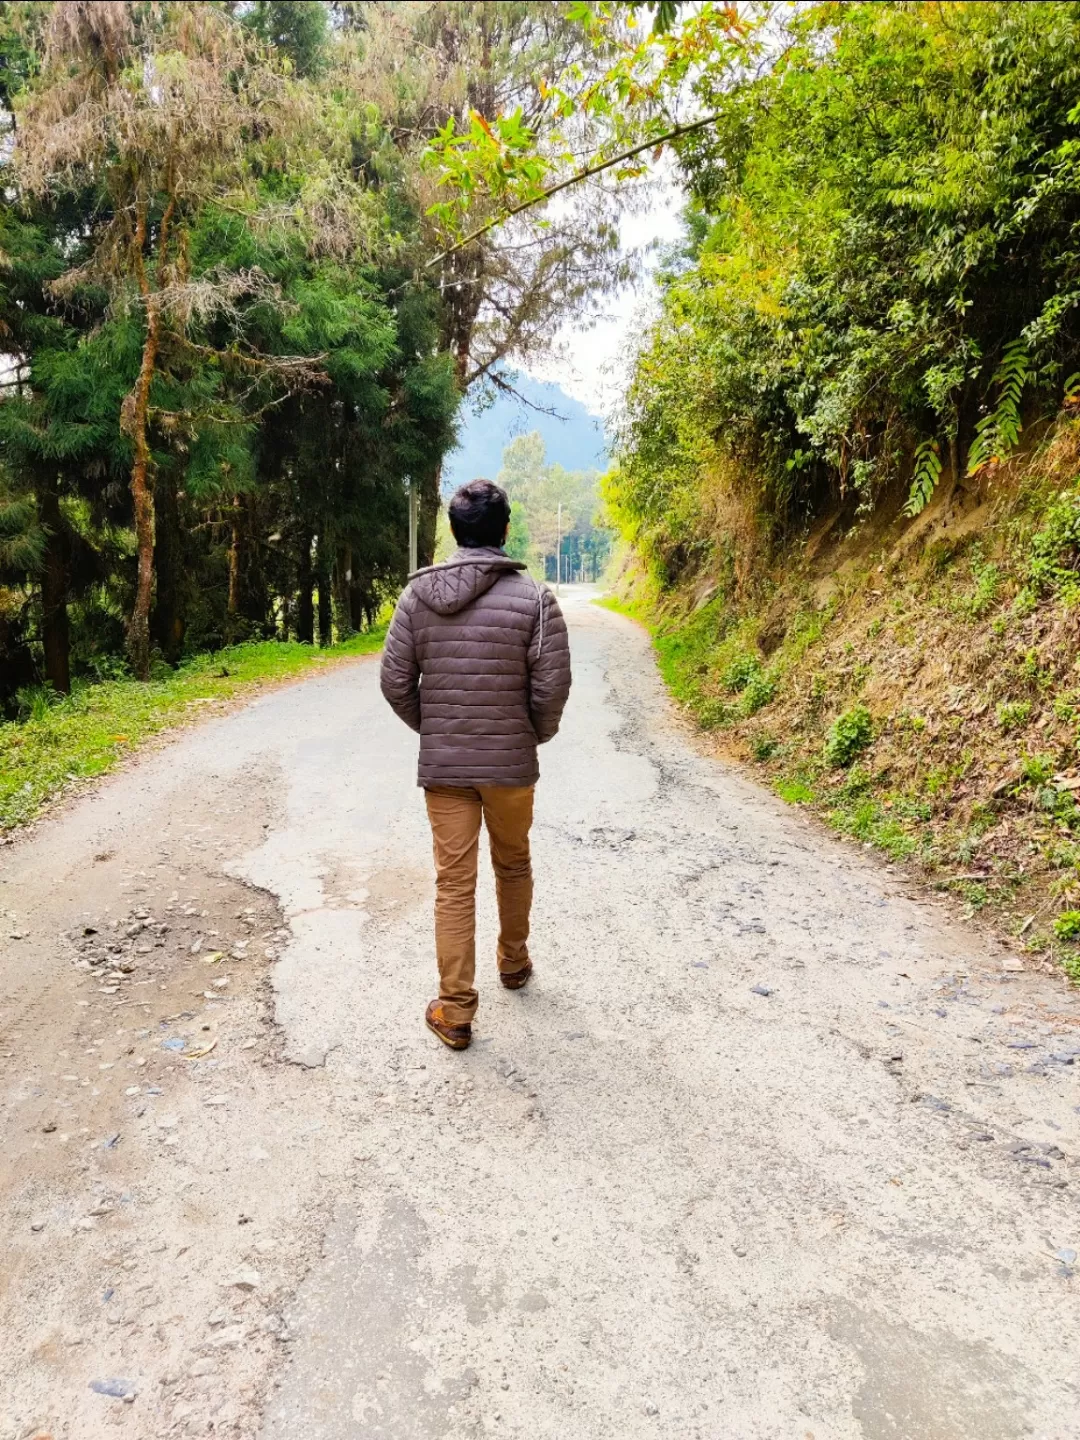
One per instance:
(927, 469)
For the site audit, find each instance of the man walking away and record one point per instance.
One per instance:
(477, 661)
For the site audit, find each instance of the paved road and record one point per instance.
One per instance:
(768, 1148)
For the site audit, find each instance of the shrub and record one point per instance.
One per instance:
(1067, 925)
(848, 736)
(713, 714)
(763, 746)
(1036, 770)
(760, 691)
(1055, 550)
(1011, 714)
(987, 584)
(739, 674)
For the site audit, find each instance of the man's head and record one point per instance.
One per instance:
(479, 514)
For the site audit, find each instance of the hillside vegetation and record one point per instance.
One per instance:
(848, 460)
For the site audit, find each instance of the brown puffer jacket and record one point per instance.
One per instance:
(477, 660)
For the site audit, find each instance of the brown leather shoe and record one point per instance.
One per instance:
(458, 1037)
(517, 978)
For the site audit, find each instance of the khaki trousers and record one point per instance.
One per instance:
(455, 816)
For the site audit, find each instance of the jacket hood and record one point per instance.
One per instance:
(457, 582)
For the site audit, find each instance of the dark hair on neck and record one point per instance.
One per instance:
(479, 514)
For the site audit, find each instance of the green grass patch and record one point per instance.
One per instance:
(1013, 714)
(86, 733)
(865, 819)
(974, 892)
(687, 653)
(806, 630)
(795, 792)
(621, 607)
(708, 661)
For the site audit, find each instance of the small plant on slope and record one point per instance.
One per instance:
(740, 672)
(987, 584)
(1055, 551)
(924, 477)
(997, 433)
(849, 735)
(759, 692)
(1011, 714)
(763, 746)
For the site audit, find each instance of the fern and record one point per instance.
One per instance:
(997, 433)
(924, 478)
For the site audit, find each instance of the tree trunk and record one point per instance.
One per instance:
(55, 633)
(429, 515)
(323, 566)
(356, 603)
(142, 497)
(234, 572)
(254, 603)
(168, 624)
(342, 592)
(135, 419)
(463, 294)
(305, 609)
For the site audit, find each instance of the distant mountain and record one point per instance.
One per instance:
(575, 440)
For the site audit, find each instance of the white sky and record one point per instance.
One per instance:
(592, 365)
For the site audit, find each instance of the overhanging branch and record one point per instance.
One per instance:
(584, 174)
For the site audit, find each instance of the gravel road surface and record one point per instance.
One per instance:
(770, 1147)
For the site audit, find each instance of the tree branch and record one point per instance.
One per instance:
(502, 384)
(578, 175)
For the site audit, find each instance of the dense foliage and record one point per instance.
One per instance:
(880, 277)
(229, 336)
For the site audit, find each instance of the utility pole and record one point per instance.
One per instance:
(558, 556)
(414, 507)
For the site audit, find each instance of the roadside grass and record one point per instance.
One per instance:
(636, 612)
(923, 702)
(708, 664)
(77, 736)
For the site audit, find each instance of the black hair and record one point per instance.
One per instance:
(479, 514)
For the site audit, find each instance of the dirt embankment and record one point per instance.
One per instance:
(916, 683)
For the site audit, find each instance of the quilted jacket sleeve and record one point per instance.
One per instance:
(399, 676)
(549, 667)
